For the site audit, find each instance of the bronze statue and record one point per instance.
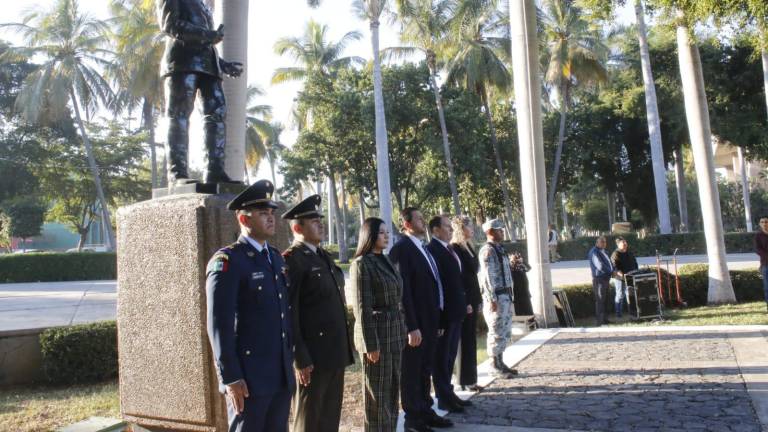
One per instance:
(191, 65)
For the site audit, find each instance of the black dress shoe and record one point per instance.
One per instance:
(417, 428)
(461, 402)
(450, 407)
(439, 422)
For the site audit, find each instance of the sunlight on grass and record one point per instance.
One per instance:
(42, 408)
(752, 313)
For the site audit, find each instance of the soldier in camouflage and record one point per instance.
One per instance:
(496, 287)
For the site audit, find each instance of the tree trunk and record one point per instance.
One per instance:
(331, 212)
(361, 197)
(164, 171)
(344, 211)
(682, 194)
(764, 55)
(274, 178)
(611, 200)
(149, 125)
(745, 190)
(334, 206)
(446, 144)
(382, 148)
(499, 165)
(234, 47)
(531, 140)
(654, 126)
(106, 219)
(565, 212)
(558, 153)
(697, 114)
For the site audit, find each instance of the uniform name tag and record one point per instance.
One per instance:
(257, 275)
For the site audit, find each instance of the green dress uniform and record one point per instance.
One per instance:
(379, 326)
(320, 335)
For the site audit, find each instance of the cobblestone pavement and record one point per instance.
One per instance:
(623, 382)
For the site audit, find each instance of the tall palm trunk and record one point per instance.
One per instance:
(382, 148)
(149, 124)
(361, 198)
(106, 219)
(234, 16)
(697, 113)
(444, 132)
(682, 194)
(745, 189)
(558, 152)
(654, 126)
(525, 50)
(340, 236)
(499, 165)
(764, 55)
(274, 178)
(344, 211)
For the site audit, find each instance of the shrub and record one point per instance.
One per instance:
(48, 267)
(80, 354)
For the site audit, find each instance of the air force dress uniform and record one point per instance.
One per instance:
(320, 330)
(249, 325)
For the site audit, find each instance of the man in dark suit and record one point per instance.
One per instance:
(191, 64)
(321, 339)
(422, 303)
(454, 311)
(248, 323)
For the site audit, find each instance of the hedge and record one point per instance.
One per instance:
(50, 267)
(694, 282)
(80, 353)
(687, 244)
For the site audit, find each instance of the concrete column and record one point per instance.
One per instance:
(745, 189)
(525, 67)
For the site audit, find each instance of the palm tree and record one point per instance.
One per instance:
(424, 30)
(575, 54)
(654, 124)
(262, 136)
(138, 53)
(71, 48)
(720, 288)
(479, 64)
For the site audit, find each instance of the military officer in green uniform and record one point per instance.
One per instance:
(322, 344)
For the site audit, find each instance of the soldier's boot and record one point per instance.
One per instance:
(215, 142)
(178, 147)
(499, 368)
(506, 368)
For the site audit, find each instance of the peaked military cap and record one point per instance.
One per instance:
(308, 208)
(257, 195)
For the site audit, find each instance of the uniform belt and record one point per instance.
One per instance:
(502, 291)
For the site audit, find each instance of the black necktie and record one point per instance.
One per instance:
(265, 254)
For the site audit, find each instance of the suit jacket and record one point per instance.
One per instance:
(421, 300)
(248, 323)
(455, 301)
(318, 309)
(188, 26)
(377, 304)
(470, 265)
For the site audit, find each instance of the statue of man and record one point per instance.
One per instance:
(191, 65)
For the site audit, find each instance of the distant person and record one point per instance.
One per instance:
(552, 240)
(377, 292)
(574, 232)
(522, 295)
(496, 289)
(461, 242)
(602, 270)
(761, 247)
(623, 261)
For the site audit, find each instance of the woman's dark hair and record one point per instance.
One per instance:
(369, 232)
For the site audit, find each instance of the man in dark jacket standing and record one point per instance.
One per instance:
(623, 262)
(761, 248)
(321, 339)
(191, 65)
(422, 303)
(449, 267)
(602, 270)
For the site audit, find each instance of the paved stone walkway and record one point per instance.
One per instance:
(632, 381)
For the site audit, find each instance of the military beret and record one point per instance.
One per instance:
(257, 195)
(308, 208)
(493, 224)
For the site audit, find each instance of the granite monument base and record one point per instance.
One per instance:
(167, 379)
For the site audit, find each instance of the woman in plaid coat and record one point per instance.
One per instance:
(380, 333)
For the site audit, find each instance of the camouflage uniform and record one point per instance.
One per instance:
(496, 286)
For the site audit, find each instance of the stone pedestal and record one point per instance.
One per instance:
(167, 379)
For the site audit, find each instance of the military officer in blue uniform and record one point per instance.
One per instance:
(249, 325)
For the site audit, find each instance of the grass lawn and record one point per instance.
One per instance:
(739, 314)
(40, 408)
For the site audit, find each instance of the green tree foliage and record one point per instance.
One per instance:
(26, 215)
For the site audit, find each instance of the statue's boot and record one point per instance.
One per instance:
(215, 143)
(178, 149)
